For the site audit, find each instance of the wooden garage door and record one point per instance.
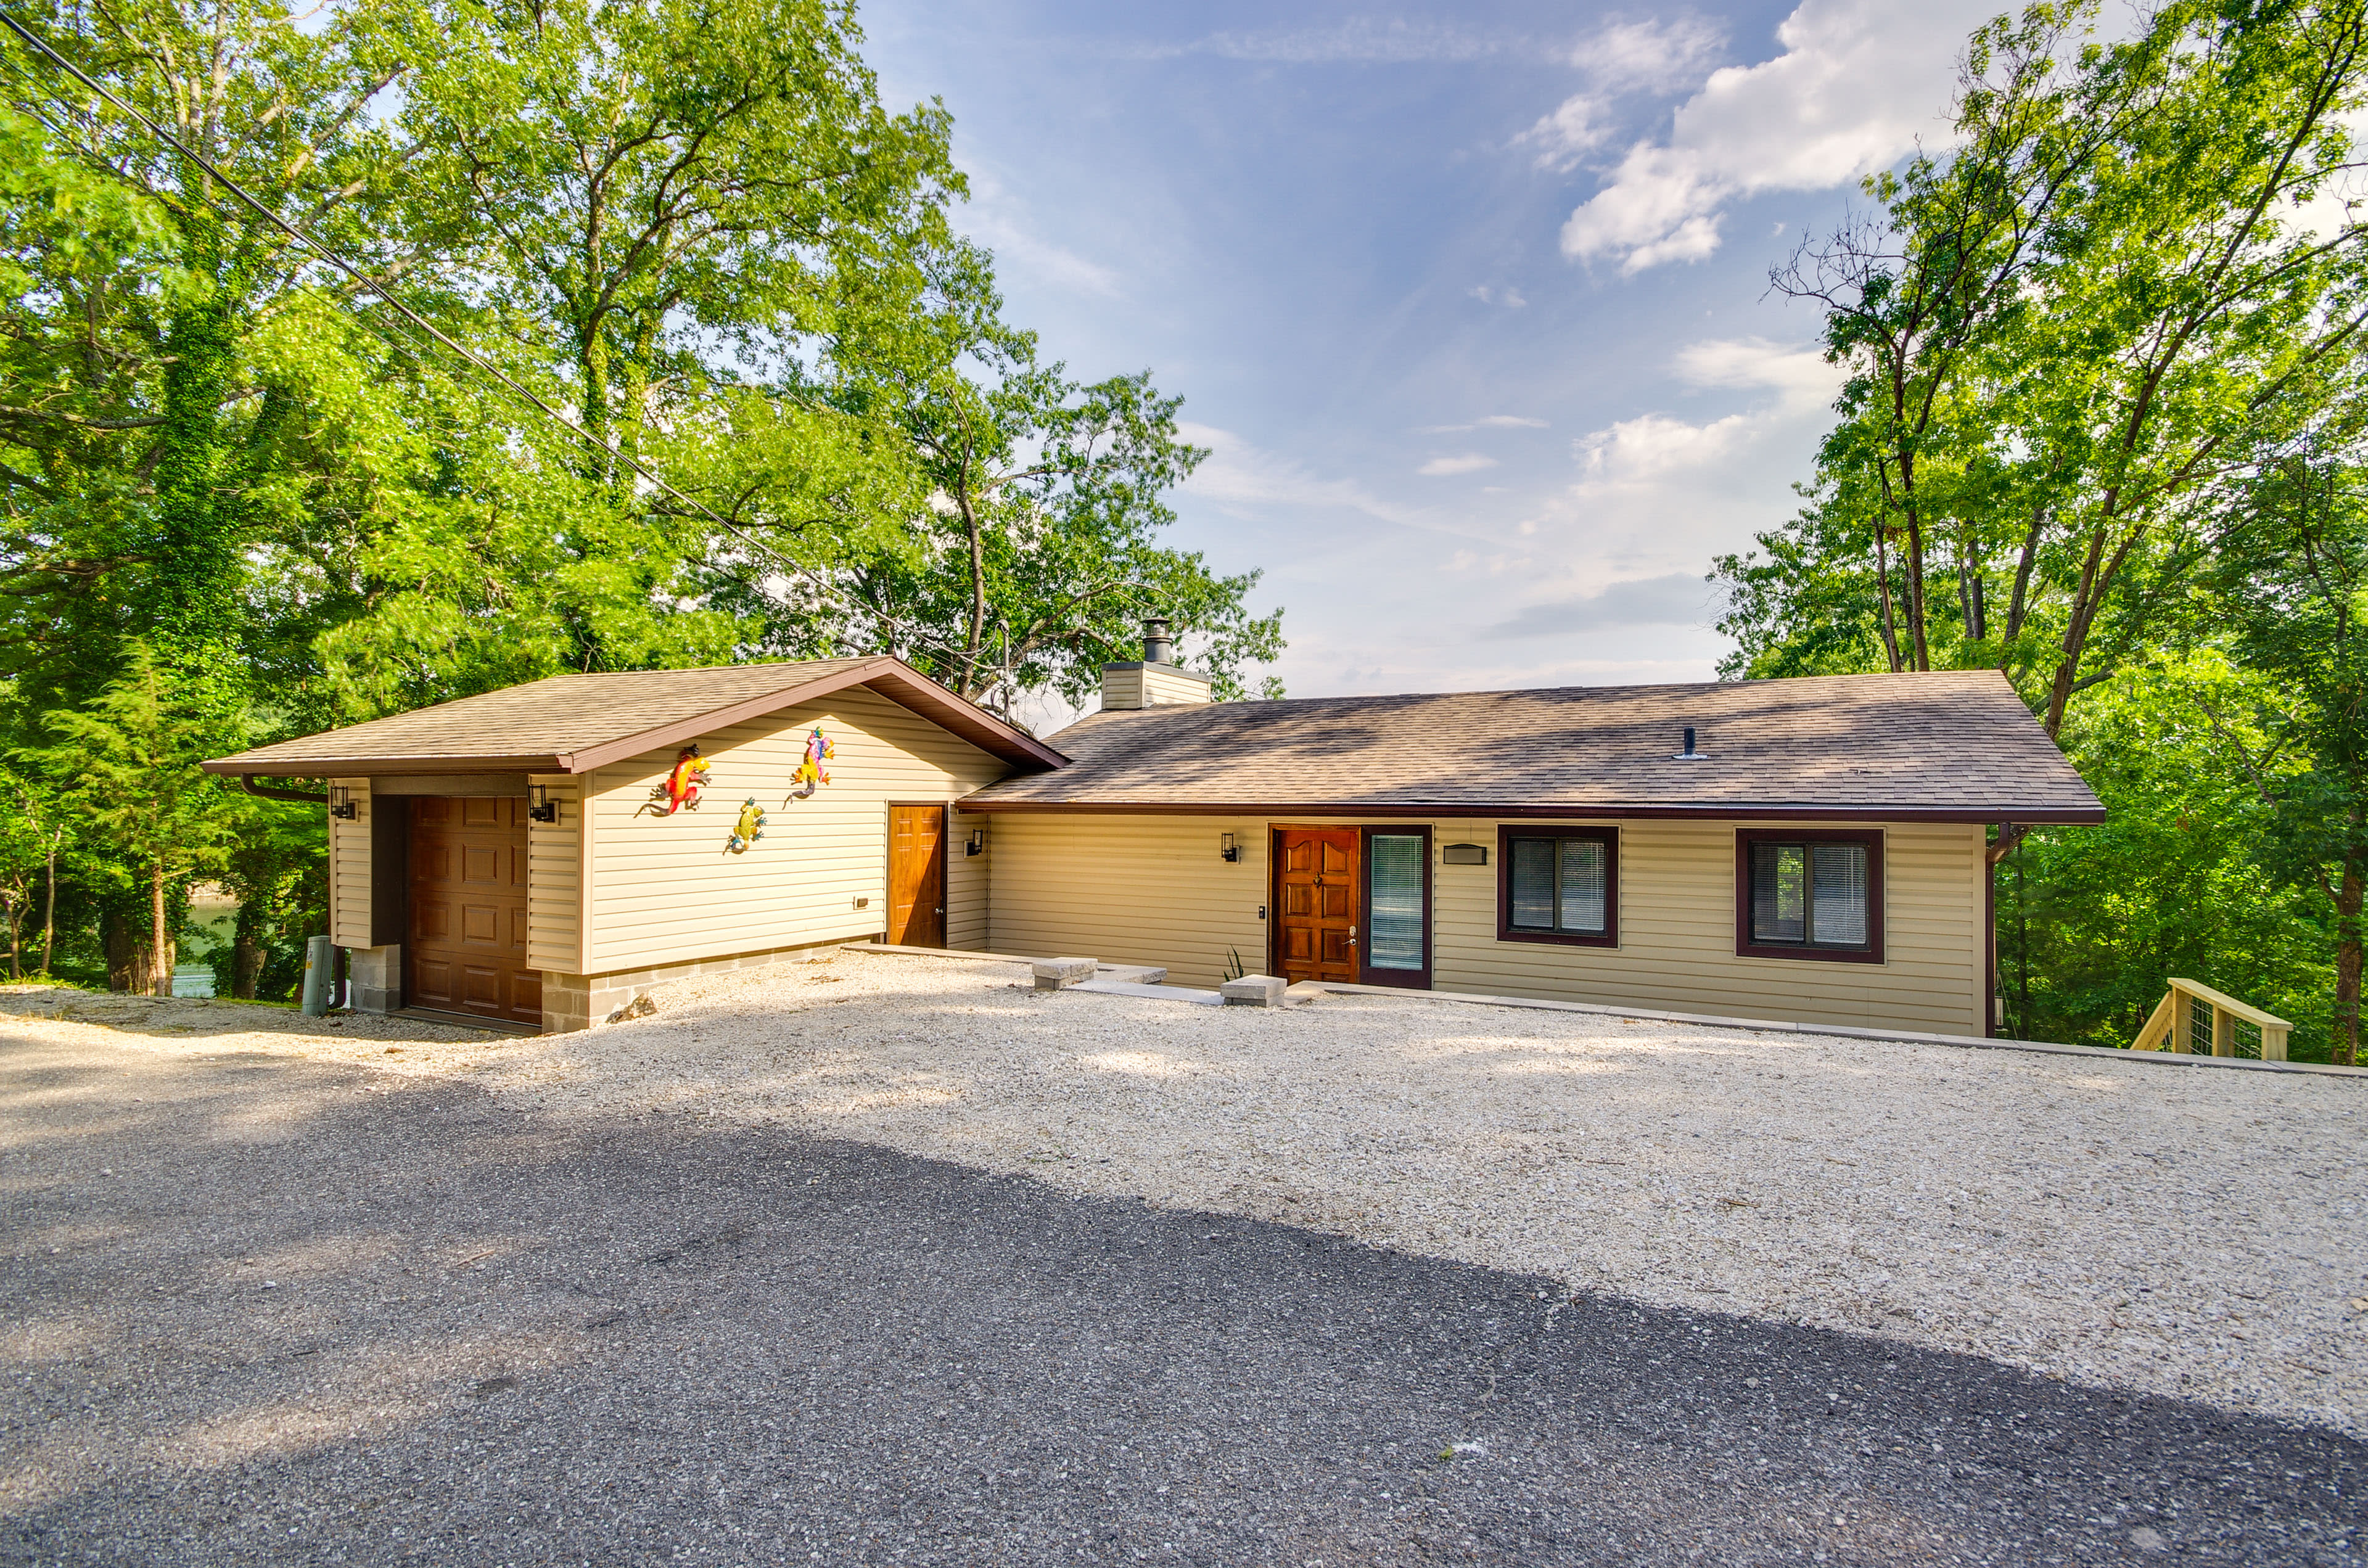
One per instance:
(466, 952)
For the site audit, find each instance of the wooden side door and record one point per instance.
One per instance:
(917, 876)
(1315, 902)
(465, 950)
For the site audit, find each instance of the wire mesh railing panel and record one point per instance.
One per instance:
(2199, 1026)
(2248, 1041)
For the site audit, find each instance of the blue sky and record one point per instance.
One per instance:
(1471, 301)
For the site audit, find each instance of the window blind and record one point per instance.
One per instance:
(1394, 872)
(1561, 884)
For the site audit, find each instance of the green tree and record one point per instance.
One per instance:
(2291, 582)
(2181, 878)
(2070, 338)
(128, 762)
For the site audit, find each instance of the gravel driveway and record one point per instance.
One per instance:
(2120, 1224)
(261, 1309)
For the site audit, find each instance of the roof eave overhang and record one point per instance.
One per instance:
(362, 767)
(2036, 816)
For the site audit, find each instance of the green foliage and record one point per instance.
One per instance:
(698, 229)
(2178, 881)
(2100, 430)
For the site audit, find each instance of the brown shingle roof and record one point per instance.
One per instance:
(573, 723)
(1957, 746)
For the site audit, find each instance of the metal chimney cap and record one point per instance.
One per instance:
(1157, 648)
(1688, 755)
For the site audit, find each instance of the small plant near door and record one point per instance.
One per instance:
(1234, 970)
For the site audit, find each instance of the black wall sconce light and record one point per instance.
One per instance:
(977, 845)
(1230, 851)
(342, 804)
(541, 807)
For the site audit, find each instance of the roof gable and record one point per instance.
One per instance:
(577, 723)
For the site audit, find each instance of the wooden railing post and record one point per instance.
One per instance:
(2182, 1021)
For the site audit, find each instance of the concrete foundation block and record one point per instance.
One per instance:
(1255, 990)
(374, 978)
(1054, 974)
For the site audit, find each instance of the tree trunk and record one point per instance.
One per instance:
(1969, 590)
(128, 954)
(2348, 899)
(1915, 635)
(50, 915)
(1883, 581)
(160, 951)
(246, 954)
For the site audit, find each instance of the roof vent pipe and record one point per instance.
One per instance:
(1156, 648)
(1688, 755)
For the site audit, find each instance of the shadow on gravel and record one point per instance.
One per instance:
(261, 1311)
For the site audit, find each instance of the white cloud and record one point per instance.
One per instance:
(1511, 297)
(1469, 462)
(1654, 54)
(1677, 598)
(1859, 83)
(1575, 126)
(999, 220)
(1654, 446)
(1622, 57)
(1487, 421)
(1800, 373)
(1657, 495)
(1393, 43)
(1242, 480)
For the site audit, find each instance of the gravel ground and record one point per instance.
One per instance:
(261, 1310)
(2120, 1225)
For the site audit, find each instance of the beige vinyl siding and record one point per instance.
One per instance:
(968, 879)
(665, 890)
(1130, 890)
(349, 869)
(554, 882)
(1140, 685)
(1677, 935)
(1152, 890)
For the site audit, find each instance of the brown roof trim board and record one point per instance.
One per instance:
(2043, 817)
(380, 745)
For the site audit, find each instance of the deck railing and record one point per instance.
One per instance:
(2195, 1019)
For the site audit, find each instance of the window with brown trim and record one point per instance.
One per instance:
(1803, 893)
(1558, 885)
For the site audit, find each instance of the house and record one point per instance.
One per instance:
(1812, 850)
(539, 854)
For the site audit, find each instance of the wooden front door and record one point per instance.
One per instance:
(466, 948)
(917, 876)
(1317, 900)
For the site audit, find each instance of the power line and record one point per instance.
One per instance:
(378, 288)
